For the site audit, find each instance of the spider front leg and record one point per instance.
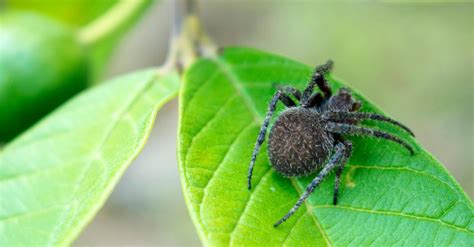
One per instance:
(341, 152)
(289, 90)
(288, 102)
(317, 79)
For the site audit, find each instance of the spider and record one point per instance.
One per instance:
(308, 136)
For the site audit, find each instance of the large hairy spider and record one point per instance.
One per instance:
(309, 136)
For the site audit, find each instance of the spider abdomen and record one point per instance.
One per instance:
(297, 144)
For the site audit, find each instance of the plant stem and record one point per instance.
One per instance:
(188, 40)
(116, 18)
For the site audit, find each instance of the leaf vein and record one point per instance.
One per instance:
(219, 165)
(107, 134)
(249, 200)
(407, 169)
(389, 213)
(239, 89)
(291, 230)
(311, 212)
(205, 126)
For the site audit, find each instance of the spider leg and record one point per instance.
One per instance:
(339, 154)
(315, 100)
(287, 101)
(344, 116)
(318, 79)
(289, 90)
(341, 128)
(343, 162)
(325, 68)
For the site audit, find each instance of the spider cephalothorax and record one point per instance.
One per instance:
(308, 136)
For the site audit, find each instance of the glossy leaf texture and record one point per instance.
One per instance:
(387, 197)
(56, 176)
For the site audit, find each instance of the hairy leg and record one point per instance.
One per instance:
(318, 79)
(263, 130)
(315, 100)
(347, 154)
(289, 90)
(348, 129)
(339, 154)
(286, 91)
(345, 116)
(287, 101)
(325, 68)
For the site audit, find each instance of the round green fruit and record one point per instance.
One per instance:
(42, 64)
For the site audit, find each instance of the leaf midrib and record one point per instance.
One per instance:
(239, 89)
(398, 214)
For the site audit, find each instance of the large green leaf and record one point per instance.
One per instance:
(56, 176)
(387, 197)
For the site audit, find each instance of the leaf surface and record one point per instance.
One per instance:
(387, 196)
(56, 176)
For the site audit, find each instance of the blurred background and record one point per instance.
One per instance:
(414, 60)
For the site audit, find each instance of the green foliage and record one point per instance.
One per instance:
(387, 197)
(103, 34)
(100, 24)
(42, 64)
(57, 175)
(73, 12)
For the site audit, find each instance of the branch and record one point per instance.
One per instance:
(188, 40)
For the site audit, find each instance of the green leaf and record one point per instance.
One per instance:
(103, 34)
(100, 25)
(56, 176)
(387, 197)
(73, 12)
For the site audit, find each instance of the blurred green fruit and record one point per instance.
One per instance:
(42, 64)
(76, 13)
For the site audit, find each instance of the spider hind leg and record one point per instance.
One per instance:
(345, 117)
(350, 129)
(337, 182)
(341, 151)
